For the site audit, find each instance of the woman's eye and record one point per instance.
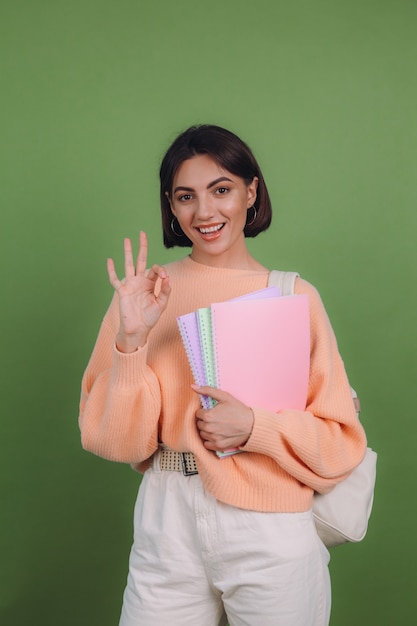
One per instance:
(222, 190)
(184, 197)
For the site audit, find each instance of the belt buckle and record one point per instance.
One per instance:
(185, 471)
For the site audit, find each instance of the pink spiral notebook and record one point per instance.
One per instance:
(196, 334)
(262, 350)
(256, 347)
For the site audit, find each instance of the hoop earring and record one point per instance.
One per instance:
(255, 213)
(173, 227)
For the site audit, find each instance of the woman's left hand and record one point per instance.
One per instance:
(228, 425)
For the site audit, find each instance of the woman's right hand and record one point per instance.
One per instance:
(141, 301)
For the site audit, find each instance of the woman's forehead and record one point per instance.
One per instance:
(200, 169)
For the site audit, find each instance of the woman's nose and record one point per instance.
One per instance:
(204, 209)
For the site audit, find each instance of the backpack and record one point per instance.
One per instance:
(343, 514)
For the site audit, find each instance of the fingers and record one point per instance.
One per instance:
(207, 431)
(217, 439)
(213, 392)
(132, 271)
(142, 259)
(164, 293)
(156, 271)
(129, 267)
(114, 281)
(228, 424)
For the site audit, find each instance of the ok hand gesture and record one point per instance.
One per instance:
(141, 300)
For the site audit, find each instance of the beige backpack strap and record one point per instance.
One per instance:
(284, 280)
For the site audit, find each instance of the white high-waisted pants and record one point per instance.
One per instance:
(194, 559)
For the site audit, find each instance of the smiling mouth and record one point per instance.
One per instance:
(209, 230)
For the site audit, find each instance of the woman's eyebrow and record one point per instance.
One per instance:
(209, 186)
(183, 189)
(219, 180)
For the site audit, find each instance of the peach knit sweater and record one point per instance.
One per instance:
(129, 402)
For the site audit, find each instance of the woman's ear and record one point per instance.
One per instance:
(252, 191)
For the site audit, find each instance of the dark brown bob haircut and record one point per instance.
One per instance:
(232, 154)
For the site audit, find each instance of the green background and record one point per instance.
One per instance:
(92, 94)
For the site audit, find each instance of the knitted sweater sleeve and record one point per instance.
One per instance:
(323, 444)
(120, 399)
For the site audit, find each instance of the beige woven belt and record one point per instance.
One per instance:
(177, 462)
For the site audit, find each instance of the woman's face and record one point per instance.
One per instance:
(211, 206)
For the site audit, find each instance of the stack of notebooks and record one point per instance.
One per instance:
(255, 347)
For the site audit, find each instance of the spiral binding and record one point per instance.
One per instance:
(206, 402)
(206, 343)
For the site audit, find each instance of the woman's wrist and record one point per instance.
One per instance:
(130, 343)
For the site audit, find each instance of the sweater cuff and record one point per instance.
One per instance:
(129, 368)
(260, 439)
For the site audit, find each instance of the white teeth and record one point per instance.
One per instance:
(210, 229)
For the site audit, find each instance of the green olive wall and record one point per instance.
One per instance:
(92, 94)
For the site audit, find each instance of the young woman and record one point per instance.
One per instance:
(214, 537)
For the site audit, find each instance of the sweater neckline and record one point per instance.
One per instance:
(189, 263)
